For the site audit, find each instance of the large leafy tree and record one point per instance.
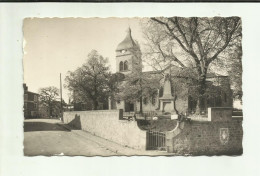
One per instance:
(233, 67)
(114, 83)
(193, 43)
(48, 98)
(90, 81)
(137, 86)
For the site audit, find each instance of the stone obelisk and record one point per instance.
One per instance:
(166, 101)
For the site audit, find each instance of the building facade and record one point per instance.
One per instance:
(31, 103)
(54, 112)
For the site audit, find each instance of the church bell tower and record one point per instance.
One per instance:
(128, 55)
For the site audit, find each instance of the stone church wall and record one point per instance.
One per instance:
(108, 124)
(147, 107)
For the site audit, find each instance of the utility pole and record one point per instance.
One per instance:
(61, 108)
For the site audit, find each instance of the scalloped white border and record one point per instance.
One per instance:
(12, 161)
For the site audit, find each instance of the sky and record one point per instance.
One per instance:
(58, 45)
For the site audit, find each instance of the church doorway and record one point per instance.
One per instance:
(129, 107)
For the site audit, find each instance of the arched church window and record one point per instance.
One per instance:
(153, 100)
(225, 97)
(121, 66)
(126, 65)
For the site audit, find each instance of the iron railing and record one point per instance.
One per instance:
(155, 140)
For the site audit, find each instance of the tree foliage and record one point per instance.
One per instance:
(233, 68)
(137, 86)
(235, 73)
(90, 82)
(193, 43)
(114, 83)
(48, 97)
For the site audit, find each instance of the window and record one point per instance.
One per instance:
(225, 97)
(35, 106)
(153, 100)
(125, 65)
(25, 97)
(33, 113)
(121, 66)
(35, 98)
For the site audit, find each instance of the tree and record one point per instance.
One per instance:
(193, 43)
(235, 73)
(137, 86)
(233, 67)
(114, 82)
(90, 81)
(48, 97)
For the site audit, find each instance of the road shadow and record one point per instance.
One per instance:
(42, 126)
(75, 124)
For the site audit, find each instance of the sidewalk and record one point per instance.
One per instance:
(114, 147)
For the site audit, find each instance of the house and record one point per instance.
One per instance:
(55, 111)
(31, 103)
(129, 60)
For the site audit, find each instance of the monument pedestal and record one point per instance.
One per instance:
(167, 105)
(167, 100)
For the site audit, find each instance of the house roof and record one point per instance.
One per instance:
(31, 92)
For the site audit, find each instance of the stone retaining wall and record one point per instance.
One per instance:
(220, 135)
(108, 124)
(207, 138)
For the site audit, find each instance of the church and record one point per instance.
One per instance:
(129, 60)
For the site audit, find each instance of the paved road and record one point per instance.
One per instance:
(46, 137)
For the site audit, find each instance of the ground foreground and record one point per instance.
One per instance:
(50, 137)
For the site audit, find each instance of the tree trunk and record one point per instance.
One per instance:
(201, 93)
(141, 98)
(174, 102)
(141, 105)
(50, 109)
(198, 109)
(95, 103)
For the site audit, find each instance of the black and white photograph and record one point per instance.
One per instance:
(151, 86)
(129, 89)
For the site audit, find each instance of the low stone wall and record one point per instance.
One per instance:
(219, 135)
(207, 138)
(218, 114)
(108, 124)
